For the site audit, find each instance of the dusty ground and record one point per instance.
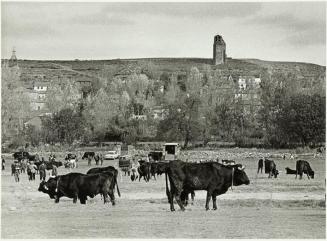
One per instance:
(267, 208)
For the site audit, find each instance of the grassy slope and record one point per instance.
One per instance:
(182, 65)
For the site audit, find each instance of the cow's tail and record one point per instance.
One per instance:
(167, 188)
(116, 173)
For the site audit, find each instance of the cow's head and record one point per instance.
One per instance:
(162, 168)
(312, 174)
(275, 173)
(240, 176)
(48, 187)
(58, 164)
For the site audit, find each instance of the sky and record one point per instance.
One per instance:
(293, 31)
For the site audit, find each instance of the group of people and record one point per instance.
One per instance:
(43, 173)
(97, 158)
(30, 167)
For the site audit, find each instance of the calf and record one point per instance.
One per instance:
(304, 167)
(270, 167)
(144, 171)
(290, 171)
(88, 154)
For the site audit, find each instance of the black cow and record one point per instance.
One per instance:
(304, 167)
(87, 154)
(80, 186)
(290, 171)
(213, 177)
(34, 158)
(110, 169)
(270, 167)
(19, 155)
(260, 165)
(144, 171)
(48, 165)
(161, 168)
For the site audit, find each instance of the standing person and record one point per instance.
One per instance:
(101, 159)
(33, 170)
(42, 171)
(54, 172)
(97, 159)
(13, 169)
(89, 160)
(3, 164)
(17, 170)
(29, 173)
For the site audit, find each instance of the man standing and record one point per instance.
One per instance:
(42, 171)
(17, 170)
(89, 160)
(97, 159)
(54, 172)
(101, 158)
(3, 164)
(33, 168)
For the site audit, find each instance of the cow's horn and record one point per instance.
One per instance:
(242, 167)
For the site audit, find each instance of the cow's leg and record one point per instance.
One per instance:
(178, 200)
(171, 196)
(184, 197)
(75, 198)
(105, 197)
(192, 197)
(56, 199)
(308, 175)
(82, 199)
(178, 189)
(112, 197)
(208, 199)
(214, 201)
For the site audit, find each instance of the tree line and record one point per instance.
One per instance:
(202, 107)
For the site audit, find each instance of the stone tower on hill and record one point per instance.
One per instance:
(13, 59)
(219, 50)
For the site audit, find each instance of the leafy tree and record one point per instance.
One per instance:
(302, 119)
(32, 135)
(62, 95)
(15, 103)
(184, 118)
(65, 126)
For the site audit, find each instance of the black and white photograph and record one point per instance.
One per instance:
(163, 120)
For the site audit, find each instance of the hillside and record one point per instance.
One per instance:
(92, 69)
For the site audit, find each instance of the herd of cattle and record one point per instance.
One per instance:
(181, 179)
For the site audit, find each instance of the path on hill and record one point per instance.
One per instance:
(63, 67)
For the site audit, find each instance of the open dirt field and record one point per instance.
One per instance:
(267, 208)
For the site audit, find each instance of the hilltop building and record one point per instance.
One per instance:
(13, 59)
(219, 50)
